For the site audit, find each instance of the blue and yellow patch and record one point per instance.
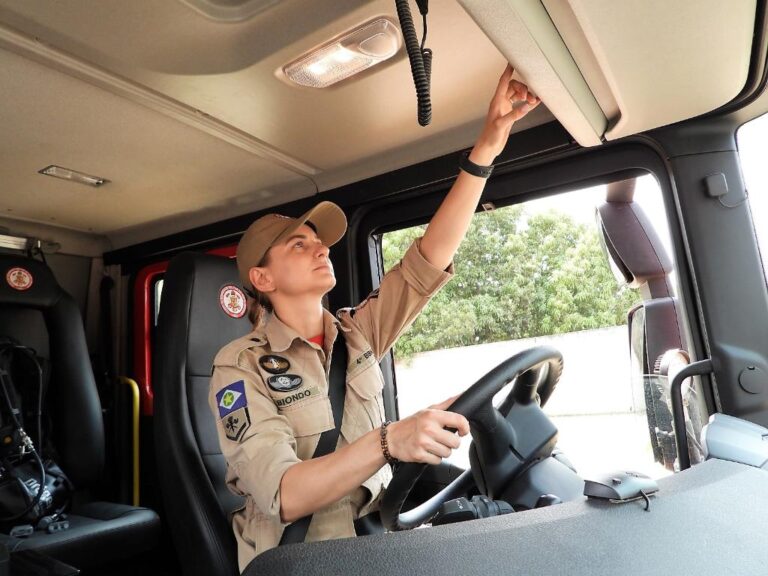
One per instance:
(231, 398)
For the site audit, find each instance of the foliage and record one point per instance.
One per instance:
(517, 276)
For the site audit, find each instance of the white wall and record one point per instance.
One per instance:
(596, 375)
(601, 419)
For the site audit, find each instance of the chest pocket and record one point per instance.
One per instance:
(310, 417)
(364, 405)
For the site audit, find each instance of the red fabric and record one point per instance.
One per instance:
(319, 339)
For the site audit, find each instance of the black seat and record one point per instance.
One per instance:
(192, 327)
(655, 325)
(38, 313)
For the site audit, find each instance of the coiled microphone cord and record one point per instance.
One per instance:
(419, 57)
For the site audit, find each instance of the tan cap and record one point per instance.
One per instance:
(326, 217)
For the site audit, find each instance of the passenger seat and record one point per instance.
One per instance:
(37, 312)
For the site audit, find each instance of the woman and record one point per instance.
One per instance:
(269, 390)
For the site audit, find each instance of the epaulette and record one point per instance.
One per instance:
(372, 296)
(230, 354)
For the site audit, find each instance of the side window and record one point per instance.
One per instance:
(147, 297)
(537, 273)
(157, 293)
(753, 140)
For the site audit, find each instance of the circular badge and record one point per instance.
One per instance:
(232, 301)
(274, 364)
(19, 279)
(284, 382)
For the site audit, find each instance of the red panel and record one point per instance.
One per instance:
(228, 251)
(142, 331)
(142, 325)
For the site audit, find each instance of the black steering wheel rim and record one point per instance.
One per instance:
(472, 400)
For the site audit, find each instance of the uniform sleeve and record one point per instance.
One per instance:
(403, 293)
(257, 441)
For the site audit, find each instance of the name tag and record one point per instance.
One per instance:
(361, 363)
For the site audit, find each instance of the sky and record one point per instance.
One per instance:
(752, 140)
(580, 205)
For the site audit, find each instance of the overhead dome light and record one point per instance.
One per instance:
(346, 56)
(13, 242)
(73, 175)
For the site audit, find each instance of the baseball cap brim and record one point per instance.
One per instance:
(328, 219)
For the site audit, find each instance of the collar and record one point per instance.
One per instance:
(280, 336)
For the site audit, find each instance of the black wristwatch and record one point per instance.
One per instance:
(475, 169)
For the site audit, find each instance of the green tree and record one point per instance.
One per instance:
(517, 276)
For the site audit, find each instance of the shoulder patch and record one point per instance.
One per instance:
(236, 423)
(231, 398)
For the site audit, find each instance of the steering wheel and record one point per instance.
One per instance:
(535, 372)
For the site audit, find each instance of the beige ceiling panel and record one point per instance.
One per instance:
(189, 121)
(371, 115)
(167, 36)
(158, 167)
(227, 71)
(663, 62)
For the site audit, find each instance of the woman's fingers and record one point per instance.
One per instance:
(448, 439)
(517, 91)
(517, 113)
(452, 420)
(445, 403)
(423, 437)
(426, 457)
(438, 449)
(503, 85)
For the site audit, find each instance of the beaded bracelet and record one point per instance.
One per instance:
(384, 446)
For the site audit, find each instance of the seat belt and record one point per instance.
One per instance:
(337, 391)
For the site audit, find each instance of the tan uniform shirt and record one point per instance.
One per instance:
(269, 394)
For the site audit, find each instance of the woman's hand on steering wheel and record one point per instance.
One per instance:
(422, 437)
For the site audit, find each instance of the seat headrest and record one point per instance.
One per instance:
(27, 283)
(634, 246)
(203, 306)
(77, 419)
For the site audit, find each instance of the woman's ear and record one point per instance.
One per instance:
(261, 279)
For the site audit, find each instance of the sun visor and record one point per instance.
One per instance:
(608, 69)
(524, 33)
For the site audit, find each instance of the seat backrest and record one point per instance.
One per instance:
(655, 325)
(38, 313)
(198, 316)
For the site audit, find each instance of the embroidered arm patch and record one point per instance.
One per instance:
(231, 398)
(233, 410)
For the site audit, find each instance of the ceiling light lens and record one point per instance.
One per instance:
(73, 175)
(354, 52)
(13, 242)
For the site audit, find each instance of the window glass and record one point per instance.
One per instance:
(526, 275)
(753, 140)
(157, 293)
